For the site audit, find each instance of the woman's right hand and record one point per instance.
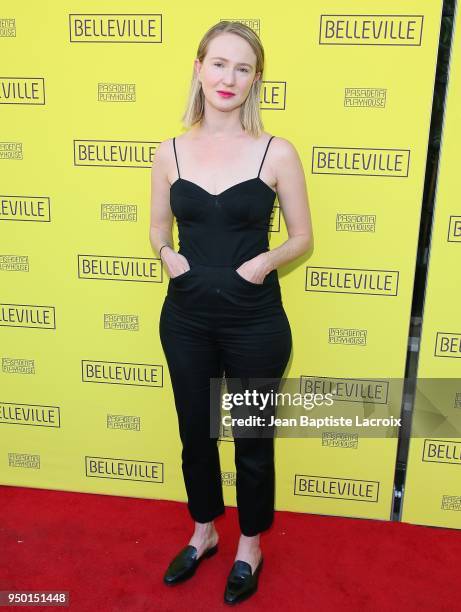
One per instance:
(176, 263)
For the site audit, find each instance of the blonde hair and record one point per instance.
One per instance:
(250, 117)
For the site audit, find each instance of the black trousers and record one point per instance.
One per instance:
(199, 346)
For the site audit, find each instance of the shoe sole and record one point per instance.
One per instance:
(209, 553)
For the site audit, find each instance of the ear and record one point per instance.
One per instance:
(197, 65)
(257, 76)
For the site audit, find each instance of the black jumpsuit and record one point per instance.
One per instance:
(214, 321)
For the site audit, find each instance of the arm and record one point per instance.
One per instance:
(293, 199)
(161, 217)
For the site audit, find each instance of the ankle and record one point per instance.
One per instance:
(205, 531)
(204, 527)
(249, 542)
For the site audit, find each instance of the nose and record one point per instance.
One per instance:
(229, 77)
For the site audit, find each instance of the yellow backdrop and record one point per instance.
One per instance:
(86, 400)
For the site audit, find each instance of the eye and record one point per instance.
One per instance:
(220, 64)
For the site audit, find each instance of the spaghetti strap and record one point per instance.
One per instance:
(264, 157)
(176, 157)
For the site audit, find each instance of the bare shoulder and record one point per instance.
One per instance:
(164, 149)
(163, 162)
(283, 150)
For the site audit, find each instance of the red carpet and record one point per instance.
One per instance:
(110, 554)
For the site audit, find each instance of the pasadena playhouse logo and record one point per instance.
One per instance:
(340, 439)
(126, 322)
(389, 30)
(124, 421)
(451, 502)
(24, 460)
(354, 222)
(7, 27)
(18, 365)
(14, 263)
(116, 92)
(119, 212)
(228, 479)
(24, 208)
(364, 97)
(11, 150)
(345, 335)
(457, 400)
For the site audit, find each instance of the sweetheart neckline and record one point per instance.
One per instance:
(216, 195)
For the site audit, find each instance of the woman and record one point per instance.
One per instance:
(223, 310)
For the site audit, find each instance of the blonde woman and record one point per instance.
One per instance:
(223, 311)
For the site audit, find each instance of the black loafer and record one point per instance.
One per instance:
(241, 583)
(185, 563)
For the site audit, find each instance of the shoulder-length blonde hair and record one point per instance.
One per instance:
(250, 117)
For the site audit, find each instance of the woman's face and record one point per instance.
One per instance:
(229, 66)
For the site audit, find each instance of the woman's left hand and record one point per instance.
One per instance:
(255, 270)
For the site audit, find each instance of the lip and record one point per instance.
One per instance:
(225, 94)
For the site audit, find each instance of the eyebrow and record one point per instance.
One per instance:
(241, 63)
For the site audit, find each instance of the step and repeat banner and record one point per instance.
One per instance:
(85, 396)
(432, 494)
